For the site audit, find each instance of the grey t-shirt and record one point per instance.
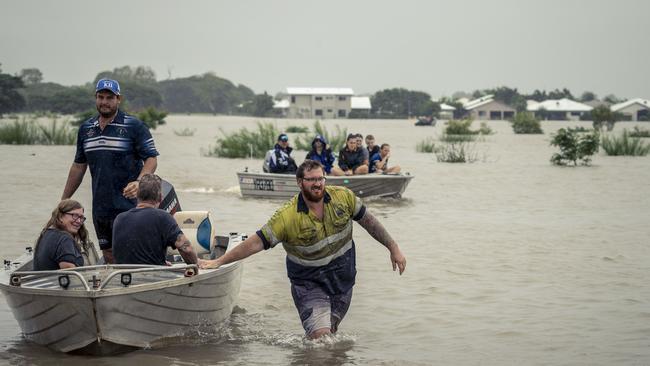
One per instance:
(55, 247)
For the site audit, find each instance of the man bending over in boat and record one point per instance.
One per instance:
(351, 159)
(315, 229)
(142, 234)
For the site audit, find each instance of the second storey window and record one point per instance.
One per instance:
(319, 98)
(342, 98)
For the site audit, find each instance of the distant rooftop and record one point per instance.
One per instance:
(446, 107)
(478, 102)
(281, 104)
(619, 106)
(559, 105)
(319, 91)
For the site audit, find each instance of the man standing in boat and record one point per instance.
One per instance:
(315, 229)
(119, 150)
(142, 234)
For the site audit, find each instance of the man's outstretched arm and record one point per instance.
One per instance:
(377, 231)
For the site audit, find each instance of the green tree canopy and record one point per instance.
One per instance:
(10, 98)
(31, 76)
(403, 103)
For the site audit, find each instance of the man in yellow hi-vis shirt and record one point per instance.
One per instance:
(315, 229)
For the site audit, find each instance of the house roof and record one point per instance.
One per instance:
(619, 106)
(478, 102)
(360, 103)
(447, 107)
(559, 105)
(319, 91)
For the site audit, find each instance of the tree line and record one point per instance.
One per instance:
(209, 93)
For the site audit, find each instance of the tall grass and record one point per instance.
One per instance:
(336, 139)
(639, 132)
(460, 127)
(445, 137)
(55, 134)
(28, 132)
(624, 145)
(464, 152)
(425, 146)
(245, 143)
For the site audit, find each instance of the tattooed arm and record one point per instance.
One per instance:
(377, 231)
(185, 249)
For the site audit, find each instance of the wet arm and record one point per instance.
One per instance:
(377, 231)
(185, 249)
(247, 248)
(75, 176)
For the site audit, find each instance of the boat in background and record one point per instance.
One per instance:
(283, 186)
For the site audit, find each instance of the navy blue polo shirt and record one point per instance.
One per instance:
(115, 156)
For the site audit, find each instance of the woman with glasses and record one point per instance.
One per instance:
(63, 239)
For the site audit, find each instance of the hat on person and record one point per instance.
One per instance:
(107, 84)
(283, 137)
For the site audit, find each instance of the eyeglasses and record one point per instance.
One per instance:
(77, 217)
(315, 179)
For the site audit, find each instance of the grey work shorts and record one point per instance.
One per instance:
(317, 308)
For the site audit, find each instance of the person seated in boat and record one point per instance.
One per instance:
(366, 154)
(63, 240)
(370, 145)
(142, 234)
(278, 159)
(322, 153)
(379, 162)
(351, 158)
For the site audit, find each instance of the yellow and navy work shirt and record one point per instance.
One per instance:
(319, 251)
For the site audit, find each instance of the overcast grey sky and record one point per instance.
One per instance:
(435, 46)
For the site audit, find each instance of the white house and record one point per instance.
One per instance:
(487, 107)
(319, 102)
(559, 109)
(361, 105)
(633, 110)
(447, 111)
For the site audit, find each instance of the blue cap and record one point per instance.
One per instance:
(283, 137)
(107, 84)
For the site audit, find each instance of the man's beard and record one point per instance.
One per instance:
(104, 114)
(312, 196)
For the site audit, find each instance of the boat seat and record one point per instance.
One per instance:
(198, 228)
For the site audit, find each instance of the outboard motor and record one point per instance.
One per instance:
(170, 201)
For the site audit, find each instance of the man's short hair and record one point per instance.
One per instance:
(308, 165)
(351, 136)
(370, 137)
(150, 188)
(383, 145)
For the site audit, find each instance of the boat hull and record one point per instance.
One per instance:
(283, 186)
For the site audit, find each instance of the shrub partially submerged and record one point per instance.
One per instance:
(526, 123)
(245, 143)
(336, 139)
(28, 132)
(574, 146)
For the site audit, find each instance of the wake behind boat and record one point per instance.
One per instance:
(282, 186)
(104, 309)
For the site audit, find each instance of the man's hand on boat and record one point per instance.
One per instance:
(208, 263)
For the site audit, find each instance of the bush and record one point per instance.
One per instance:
(185, 132)
(444, 137)
(297, 129)
(624, 145)
(425, 146)
(336, 140)
(574, 146)
(460, 127)
(463, 152)
(526, 123)
(638, 132)
(152, 117)
(245, 143)
(57, 134)
(485, 130)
